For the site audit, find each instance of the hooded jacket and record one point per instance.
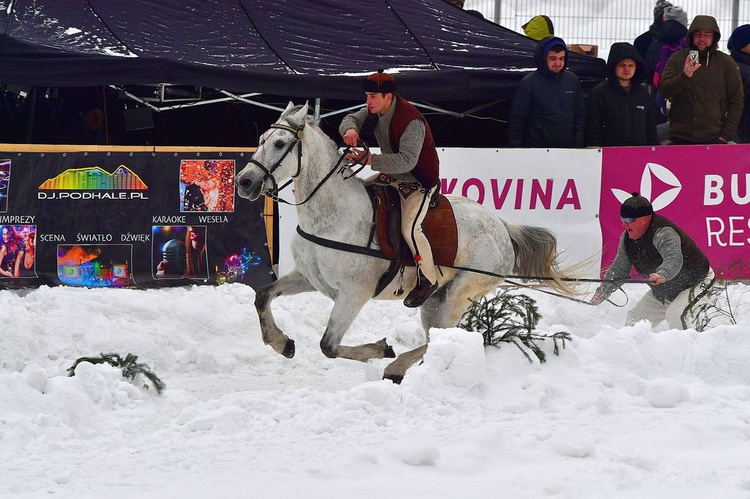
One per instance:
(707, 106)
(671, 39)
(539, 27)
(548, 109)
(743, 62)
(644, 40)
(616, 116)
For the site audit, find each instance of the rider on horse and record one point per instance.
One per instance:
(408, 161)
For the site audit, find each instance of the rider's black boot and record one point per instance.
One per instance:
(421, 292)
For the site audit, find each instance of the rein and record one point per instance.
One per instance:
(363, 250)
(273, 192)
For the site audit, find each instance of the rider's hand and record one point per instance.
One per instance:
(351, 137)
(359, 156)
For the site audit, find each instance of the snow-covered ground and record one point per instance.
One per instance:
(623, 412)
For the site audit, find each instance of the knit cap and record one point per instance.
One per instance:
(740, 37)
(659, 8)
(676, 13)
(636, 206)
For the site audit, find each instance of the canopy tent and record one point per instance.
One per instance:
(298, 48)
(293, 48)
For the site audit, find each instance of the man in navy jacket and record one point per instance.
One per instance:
(548, 108)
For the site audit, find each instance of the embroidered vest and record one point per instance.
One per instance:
(428, 164)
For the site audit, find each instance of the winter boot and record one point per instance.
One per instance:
(421, 292)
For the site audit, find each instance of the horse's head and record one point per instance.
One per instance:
(278, 156)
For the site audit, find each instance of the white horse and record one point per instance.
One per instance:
(333, 205)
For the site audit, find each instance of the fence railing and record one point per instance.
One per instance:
(603, 22)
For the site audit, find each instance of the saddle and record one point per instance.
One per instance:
(439, 227)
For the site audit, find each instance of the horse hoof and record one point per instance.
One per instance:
(396, 379)
(389, 353)
(288, 349)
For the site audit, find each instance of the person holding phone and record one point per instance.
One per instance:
(704, 87)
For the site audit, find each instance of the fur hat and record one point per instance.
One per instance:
(740, 37)
(379, 82)
(676, 13)
(659, 8)
(636, 206)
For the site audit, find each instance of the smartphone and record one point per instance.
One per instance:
(693, 56)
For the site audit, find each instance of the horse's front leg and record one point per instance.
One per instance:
(289, 284)
(345, 308)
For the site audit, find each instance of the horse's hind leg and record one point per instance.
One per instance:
(443, 309)
(396, 370)
(289, 284)
(447, 306)
(345, 309)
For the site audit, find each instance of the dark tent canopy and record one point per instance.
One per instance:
(292, 48)
(287, 47)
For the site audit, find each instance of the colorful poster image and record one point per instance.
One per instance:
(238, 267)
(4, 184)
(17, 251)
(207, 185)
(179, 252)
(95, 266)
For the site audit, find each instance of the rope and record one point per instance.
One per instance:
(328, 243)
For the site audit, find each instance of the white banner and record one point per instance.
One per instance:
(558, 189)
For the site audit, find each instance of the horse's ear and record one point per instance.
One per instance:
(299, 117)
(288, 107)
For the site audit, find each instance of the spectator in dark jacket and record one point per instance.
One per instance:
(621, 111)
(548, 108)
(672, 37)
(643, 41)
(739, 47)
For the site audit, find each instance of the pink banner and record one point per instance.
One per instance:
(703, 189)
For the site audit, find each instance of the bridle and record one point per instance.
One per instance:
(273, 192)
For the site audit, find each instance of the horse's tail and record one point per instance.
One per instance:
(536, 256)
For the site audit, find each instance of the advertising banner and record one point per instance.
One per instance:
(557, 189)
(703, 189)
(118, 219)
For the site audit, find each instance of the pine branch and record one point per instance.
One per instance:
(129, 366)
(509, 318)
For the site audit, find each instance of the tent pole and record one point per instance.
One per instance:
(317, 108)
(32, 112)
